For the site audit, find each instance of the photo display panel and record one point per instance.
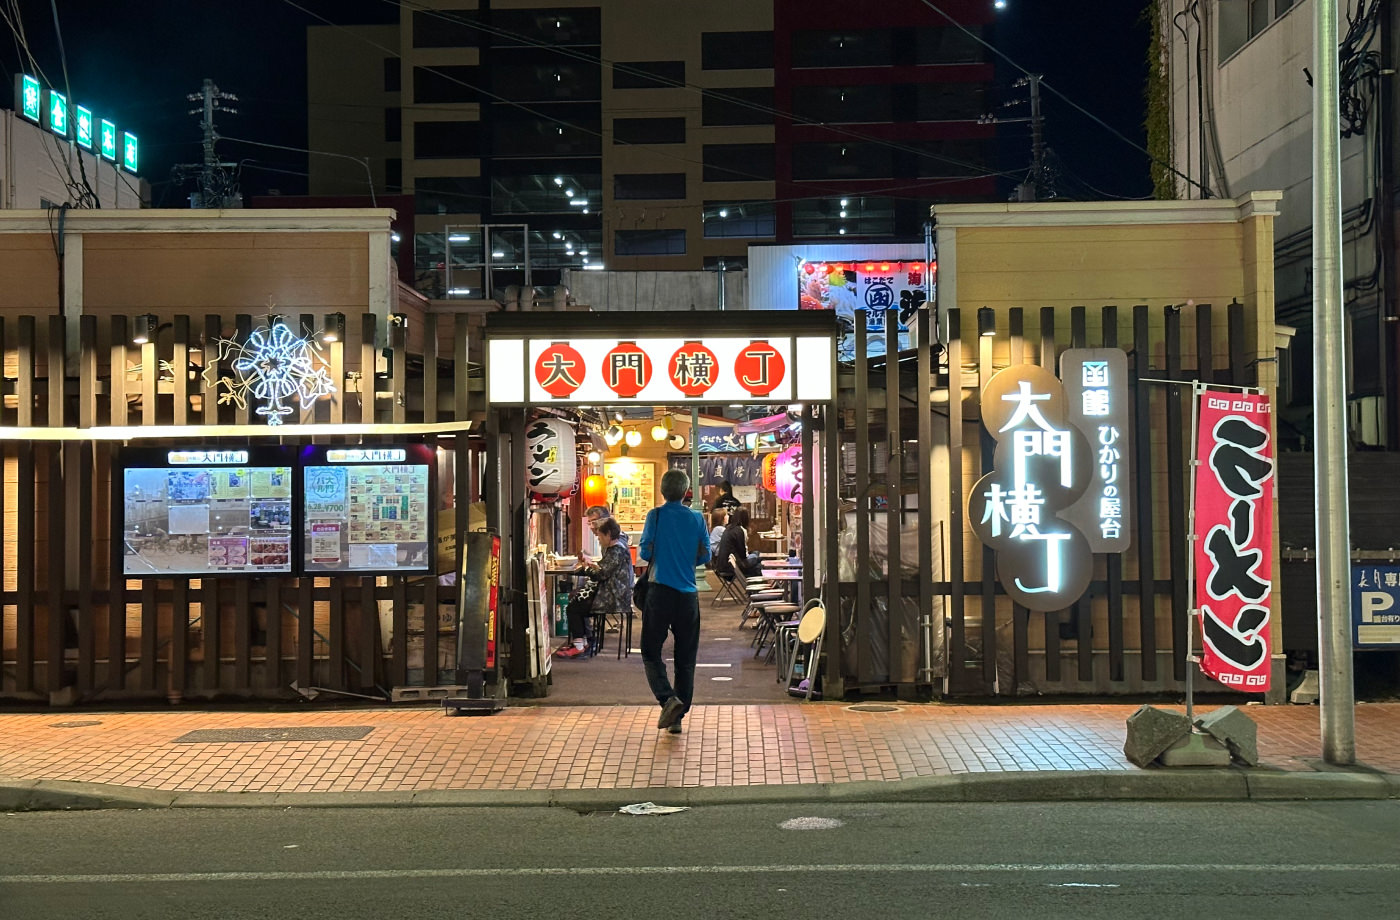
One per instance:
(206, 512)
(367, 509)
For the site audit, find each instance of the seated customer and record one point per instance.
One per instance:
(613, 573)
(718, 518)
(735, 543)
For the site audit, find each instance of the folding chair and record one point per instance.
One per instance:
(810, 631)
(756, 593)
(727, 589)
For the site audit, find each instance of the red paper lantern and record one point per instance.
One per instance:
(595, 490)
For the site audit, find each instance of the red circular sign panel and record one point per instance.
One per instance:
(760, 368)
(560, 370)
(626, 369)
(693, 369)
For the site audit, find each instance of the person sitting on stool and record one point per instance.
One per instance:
(613, 594)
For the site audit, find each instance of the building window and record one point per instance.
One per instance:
(843, 48)
(842, 217)
(648, 74)
(739, 163)
(439, 140)
(747, 220)
(1240, 22)
(751, 105)
(393, 174)
(563, 135)
(548, 78)
(447, 195)
(950, 101)
(446, 84)
(649, 186)
(564, 192)
(649, 243)
(446, 29)
(948, 45)
(872, 102)
(958, 157)
(852, 160)
(736, 50)
(648, 130)
(393, 124)
(393, 74)
(556, 27)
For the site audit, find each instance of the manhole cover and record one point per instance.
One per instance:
(74, 724)
(265, 735)
(873, 707)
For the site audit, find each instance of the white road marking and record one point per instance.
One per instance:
(714, 665)
(721, 678)
(547, 871)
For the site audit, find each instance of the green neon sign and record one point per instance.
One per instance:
(31, 96)
(108, 141)
(82, 123)
(58, 113)
(129, 151)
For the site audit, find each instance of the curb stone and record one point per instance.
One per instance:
(1184, 785)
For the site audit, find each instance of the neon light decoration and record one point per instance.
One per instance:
(274, 365)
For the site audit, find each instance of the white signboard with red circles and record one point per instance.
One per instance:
(594, 370)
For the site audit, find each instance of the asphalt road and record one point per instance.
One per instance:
(1120, 860)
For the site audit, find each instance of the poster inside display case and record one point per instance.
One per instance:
(367, 510)
(206, 512)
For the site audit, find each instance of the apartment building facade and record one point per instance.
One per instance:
(644, 136)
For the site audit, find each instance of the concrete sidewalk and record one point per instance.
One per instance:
(588, 757)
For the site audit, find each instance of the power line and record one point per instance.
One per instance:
(1066, 99)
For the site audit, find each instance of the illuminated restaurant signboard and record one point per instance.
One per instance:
(1043, 506)
(367, 510)
(846, 286)
(720, 369)
(206, 512)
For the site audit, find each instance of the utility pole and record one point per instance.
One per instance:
(1329, 403)
(1037, 185)
(217, 187)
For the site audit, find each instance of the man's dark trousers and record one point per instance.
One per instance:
(677, 612)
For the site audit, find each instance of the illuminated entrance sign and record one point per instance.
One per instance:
(1096, 393)
(1060, 487)
(82, 124)
(589, 370)
(130, 158)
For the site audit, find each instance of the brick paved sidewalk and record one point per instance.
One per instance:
(617, 747)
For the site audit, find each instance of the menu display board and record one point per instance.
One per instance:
(206, 512)
(367, 510)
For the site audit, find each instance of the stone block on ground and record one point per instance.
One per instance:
(1307, 692)
(1196, 749)
(1237, 731)
(1151, 731)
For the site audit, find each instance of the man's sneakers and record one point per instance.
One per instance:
(675, 727)
(671, 712)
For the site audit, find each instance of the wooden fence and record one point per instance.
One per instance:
(73, 622)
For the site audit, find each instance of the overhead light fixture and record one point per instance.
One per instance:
(333, 328)
(578, 202)
(498, 254)
(844, 202)
(558, 235)
(393, 235)
(460, 238)
(568, 193)
(658, 432)
(612, 435)
(617, 415)
(677, 442)
(594, 456)
(723, 212)
(559, 181)
(986, 321)
(594, 267)
(843, 213)
(634, 437)
(842, 231)
(144, 328)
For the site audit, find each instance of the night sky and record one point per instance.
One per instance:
(136, 61)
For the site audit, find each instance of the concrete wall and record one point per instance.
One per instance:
(625, 291)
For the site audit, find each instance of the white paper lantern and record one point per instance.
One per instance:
(551, 461)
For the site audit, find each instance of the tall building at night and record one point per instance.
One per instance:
(651, 136)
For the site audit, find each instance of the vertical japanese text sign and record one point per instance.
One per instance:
(1234, 537)
(1096, 392)
(1042, 467)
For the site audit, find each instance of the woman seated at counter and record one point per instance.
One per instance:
(735, 542)
(612, 594)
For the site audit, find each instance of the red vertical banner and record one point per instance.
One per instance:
(1234, 494)
(493, 593)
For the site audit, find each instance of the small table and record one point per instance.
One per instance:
(793, 577)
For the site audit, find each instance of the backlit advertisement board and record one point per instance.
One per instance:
(367, 509)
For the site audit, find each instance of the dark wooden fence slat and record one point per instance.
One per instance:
(1205, 343)
(461, 335)
(924, 407)
(242, 635)
(242, 329)
(25, 525)
(306, 631)
(957, 640)
(335, 672)
(209, 612)
(1078, 335)
(1020, 640)
(1243, 372)
(398, 661)
(1176, 493)
(211, 620)
(57, 620)
(116, 557)
(272, 634)
(150, 633)
(180, 370)
(179, 636)
(367, 650)
(88, 456)
(398, 373)
(865, 666)
(986, 448)
(899, 627)
(1082, 610)
(1142, 470)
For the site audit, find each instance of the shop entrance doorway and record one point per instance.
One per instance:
(769, 375)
